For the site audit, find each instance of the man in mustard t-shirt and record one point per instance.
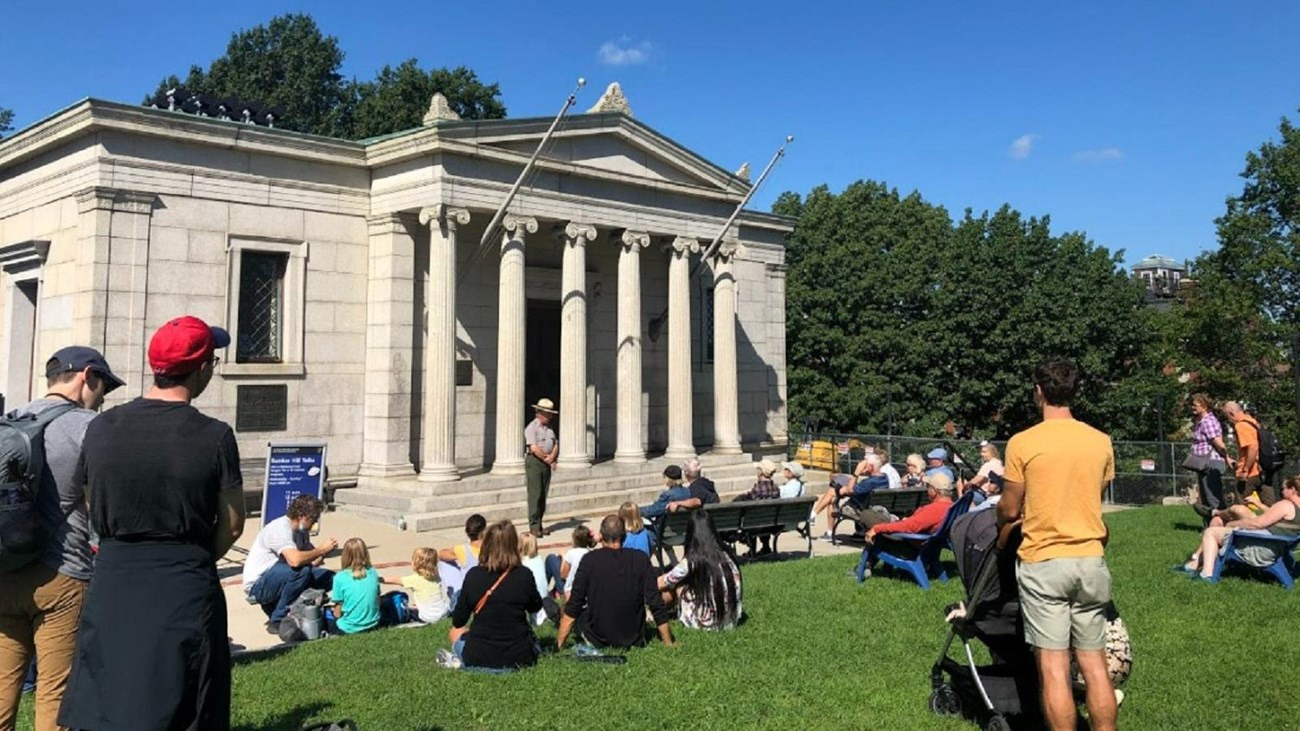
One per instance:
(1056, 472)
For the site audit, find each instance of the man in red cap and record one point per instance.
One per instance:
(166, 499)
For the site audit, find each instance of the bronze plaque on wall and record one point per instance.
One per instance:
(261, 408)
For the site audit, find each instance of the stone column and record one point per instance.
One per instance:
(628, 428)
(726, 426)
(439, 455)
(512, 315)
(573, 348)
(681, 410)
(390, 320)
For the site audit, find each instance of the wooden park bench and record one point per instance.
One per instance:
(738, 521)
(902, 502)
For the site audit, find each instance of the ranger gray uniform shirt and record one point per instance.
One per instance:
(542, 436)
(69, 549)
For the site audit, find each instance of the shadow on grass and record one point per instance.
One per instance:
(1189, 527)
(291, 720)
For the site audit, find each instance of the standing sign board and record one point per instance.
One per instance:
(292, 469)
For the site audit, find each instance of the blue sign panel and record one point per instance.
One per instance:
(291, 470)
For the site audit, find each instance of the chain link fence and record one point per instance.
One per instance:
(1145, 472)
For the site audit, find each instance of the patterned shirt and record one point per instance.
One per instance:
(699, 613)
(1207, 430)
(764, 489)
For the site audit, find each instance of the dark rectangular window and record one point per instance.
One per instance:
(261, 307)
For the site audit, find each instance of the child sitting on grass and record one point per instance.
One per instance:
(637, 536)
(426, 591)
(355, 595)
(563, 570)
(537, 565)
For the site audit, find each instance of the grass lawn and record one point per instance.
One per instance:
(818, 651)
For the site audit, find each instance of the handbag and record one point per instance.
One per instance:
(1196, 463)
(488, 594)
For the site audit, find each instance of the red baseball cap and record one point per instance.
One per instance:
(183, 345)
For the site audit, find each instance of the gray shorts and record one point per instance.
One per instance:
(1063, 602)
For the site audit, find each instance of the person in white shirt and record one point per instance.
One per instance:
(793, 485)
(282, 563)
(884, 468)
(989, 478)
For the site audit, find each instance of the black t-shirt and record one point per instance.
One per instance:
(704, 490)
(614, 587)
(501, 636)
(153, 471)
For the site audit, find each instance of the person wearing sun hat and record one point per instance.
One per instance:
(166, 500)
(541, 447)
(793, 486)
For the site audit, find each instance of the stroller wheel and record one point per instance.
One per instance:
(944, 701)
(997, 723)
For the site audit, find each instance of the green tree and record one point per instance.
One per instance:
(291, 64)
(398, 97)
(1236, 336)
(897, 318)
(6, 120)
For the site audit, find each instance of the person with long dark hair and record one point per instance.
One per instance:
(706, 583)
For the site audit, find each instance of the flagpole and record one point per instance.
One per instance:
(656, 324)
(490, 231)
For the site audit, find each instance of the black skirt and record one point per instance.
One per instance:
(152, 652)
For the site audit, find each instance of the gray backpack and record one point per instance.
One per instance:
(23, 535)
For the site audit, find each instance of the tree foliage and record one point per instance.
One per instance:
(6, 120)
(291, 64)
(1236, 337)
(900, 320)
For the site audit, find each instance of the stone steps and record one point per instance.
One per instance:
(601, 488)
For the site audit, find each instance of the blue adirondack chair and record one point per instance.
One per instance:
(926, 560)
(1283, 568)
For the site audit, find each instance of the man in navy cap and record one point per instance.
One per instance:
(41, 601)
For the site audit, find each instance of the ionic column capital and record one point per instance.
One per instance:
(634, 241)
(684, 246)
(579, 233)
(727, 251)
(441, 212)
(517, 226)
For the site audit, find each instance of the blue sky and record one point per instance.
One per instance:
(1127, 120)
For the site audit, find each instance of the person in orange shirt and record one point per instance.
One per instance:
(1246, 466)
(1055, 474)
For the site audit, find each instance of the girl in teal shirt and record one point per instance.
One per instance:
(355, 594)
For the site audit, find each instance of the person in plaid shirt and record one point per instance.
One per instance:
(1207, 442)
(764, 488)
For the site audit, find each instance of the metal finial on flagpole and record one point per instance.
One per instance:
(490, 231)
(656, 325)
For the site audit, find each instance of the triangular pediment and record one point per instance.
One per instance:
(608, 143)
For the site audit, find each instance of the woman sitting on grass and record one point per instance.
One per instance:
(637, 536)
(1282, 518)
(426, 591)
(706, 583)
(355, 595)
(501, 596)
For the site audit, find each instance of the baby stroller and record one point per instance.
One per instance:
(1007, 686)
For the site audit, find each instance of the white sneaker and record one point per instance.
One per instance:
(447, 659)
(827, 536)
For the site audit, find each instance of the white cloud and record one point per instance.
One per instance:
(1022, 146)
(624, 52)
(1101, 154)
